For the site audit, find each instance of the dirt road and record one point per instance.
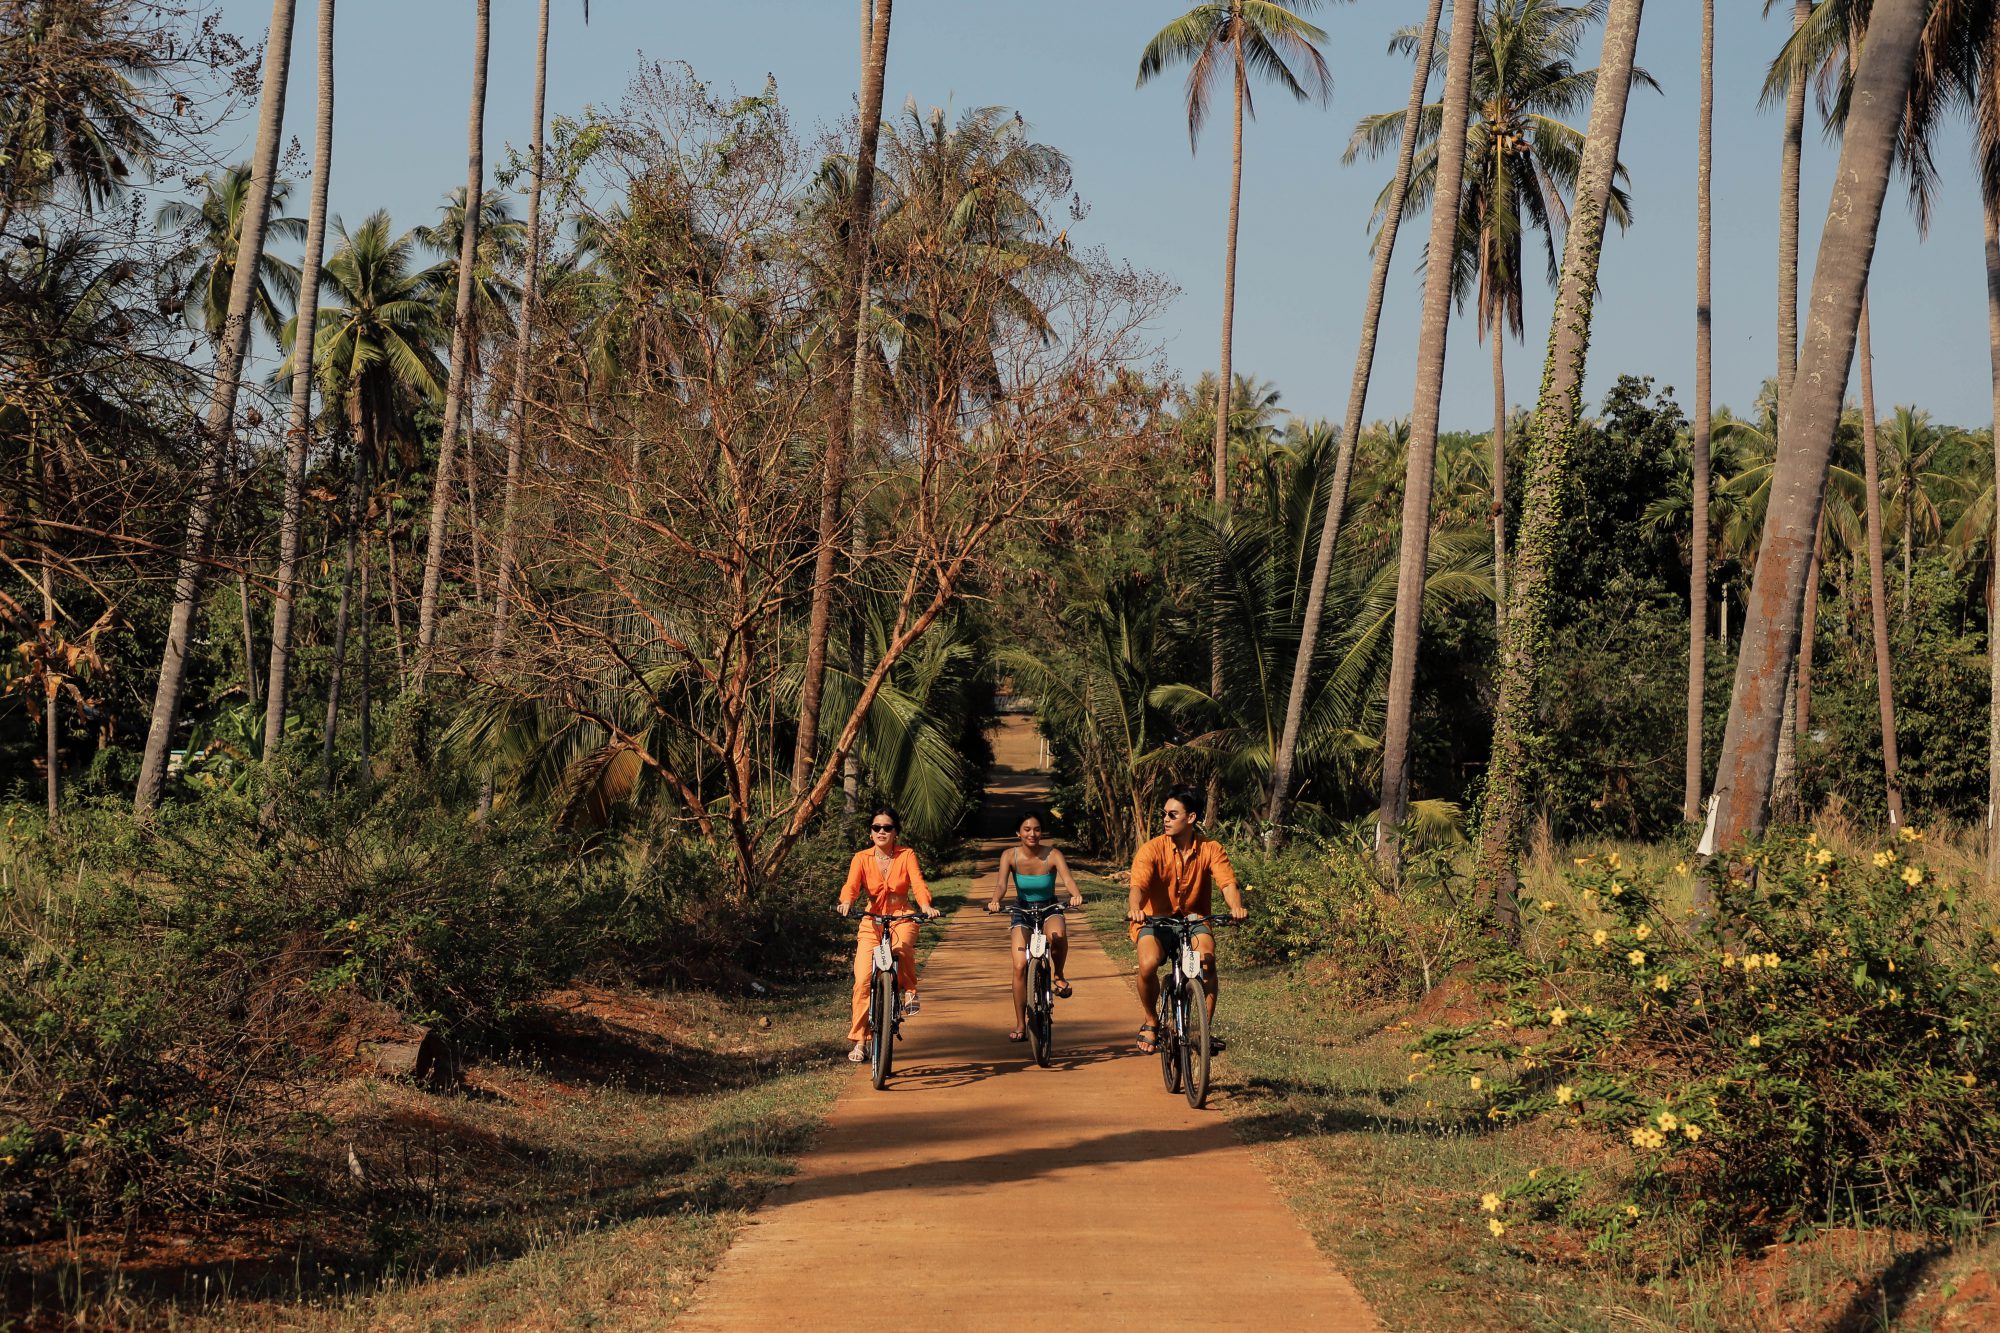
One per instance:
(979, 1191)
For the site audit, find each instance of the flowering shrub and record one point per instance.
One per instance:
(1816, 1051)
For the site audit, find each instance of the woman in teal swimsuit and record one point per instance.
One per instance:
(1033, 870)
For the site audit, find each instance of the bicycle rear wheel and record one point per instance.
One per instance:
(1194, 1045)
(1041, 1025)
(882, 1017)
(1166, 1036)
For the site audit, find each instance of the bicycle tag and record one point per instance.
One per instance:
(885, 955)
(1191, 961)
(1038, 945)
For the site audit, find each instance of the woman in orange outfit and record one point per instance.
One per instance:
(886, 874)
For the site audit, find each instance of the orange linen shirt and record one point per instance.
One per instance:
(1170, 883)
(887, 891)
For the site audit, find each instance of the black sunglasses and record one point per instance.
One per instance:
(881, 828)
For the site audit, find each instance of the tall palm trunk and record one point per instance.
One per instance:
(1698, 543)
(1785, 779)
(299, 438)
(456, 384)
(1350, 434)
(1878, 608)
(1224, 384)
(1421, 467)
(357, 484)
(1509, 780)
(252, 687)
(840, 428)
(219, 424)
(517, 434)
(1991, 212)
(1806, 429)
(1498, 331)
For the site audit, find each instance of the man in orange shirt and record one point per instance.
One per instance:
(1173, 875)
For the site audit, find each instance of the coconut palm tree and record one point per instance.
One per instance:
(1521, 161)
(221, 419)
(214, 231)
(849, 333)
(1700, 445)
(1913, 442)
(1414, 556)
(1357, 402)
(1244, 36)
(1810, 422)
(73, 104)
(1557, 417)
(299, 437)
(463, 332)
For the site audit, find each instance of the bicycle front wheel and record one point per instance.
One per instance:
(1040, 1024)
(882, 1017)
(1166, 1036)
(1194, 1045)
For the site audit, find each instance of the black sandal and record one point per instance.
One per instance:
(1149, 1039)
(1062, 989)
(1216, 1045)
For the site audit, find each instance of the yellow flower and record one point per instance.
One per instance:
(1590, 1011)
(1663, 982)
(1631, 1210)
(1564, 1094)
(1812, 839)
(354, 925)
(1681, 868)
(1908, 834)
(1756, 1040)
(1558, 1016)
(1728, 960)
(1611, 859)
(1884, 859)
(1668, 1122)
(1598, 937)
(1636, 958)
(1496, 1226)
(1643, 931)
(1824, 856)
(1475, 1082)
(1581, 862)
(1693, 1131)
(1647, 1137)
(1912, 876)
(1969, 1080)
(1534, 1173)
(1770, 962)
(1490, 1202)
(1548, 906)
(1751, 962)
(1616, 888)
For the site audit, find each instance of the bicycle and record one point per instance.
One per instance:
(1180, 1022)
(1040, 1019)
(885, 999)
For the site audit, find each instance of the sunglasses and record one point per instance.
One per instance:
(881, 828)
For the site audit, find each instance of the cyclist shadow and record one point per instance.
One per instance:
(933, 1076)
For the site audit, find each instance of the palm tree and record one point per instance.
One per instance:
(1521, 161)
(500, 245)
(1914, 443)
(214, 227)
(73, 105)
(457, 386)
(299, 437)
(1357, 401)
(848, 335)
(1557, 417)
(1878, 608)
(1698, 542)
(1414, 556)
(1809, 424)
(221, 420)
(1249, 35)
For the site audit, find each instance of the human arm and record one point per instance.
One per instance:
(1144, 873)
(857, 876)
(1005, 881)
(1224, 877)
(918, 888)
(1067, 880)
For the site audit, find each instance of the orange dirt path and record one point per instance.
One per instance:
(979, 1191)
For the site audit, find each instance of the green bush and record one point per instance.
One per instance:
(1321, 901)
(1817, 1052)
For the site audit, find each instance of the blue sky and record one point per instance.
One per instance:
(404, 69)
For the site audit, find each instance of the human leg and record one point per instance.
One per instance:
(865, 940)
(1020, 935)
(1211, 984)
(1149, 973)
(903, 940)
(1058, 935)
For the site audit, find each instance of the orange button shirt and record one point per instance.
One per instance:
(888, 891)
(1170, 882)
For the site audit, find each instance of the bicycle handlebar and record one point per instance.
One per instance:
(1031, 909)
(1191, 917)
(888, 919)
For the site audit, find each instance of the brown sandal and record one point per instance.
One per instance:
(1148, 1039)
(1018, 1034)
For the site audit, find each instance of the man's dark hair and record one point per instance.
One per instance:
(1189, 798)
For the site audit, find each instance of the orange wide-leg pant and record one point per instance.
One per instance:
(903, 940)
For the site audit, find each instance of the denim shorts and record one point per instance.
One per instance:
(1168, 937)
(1019, 919)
